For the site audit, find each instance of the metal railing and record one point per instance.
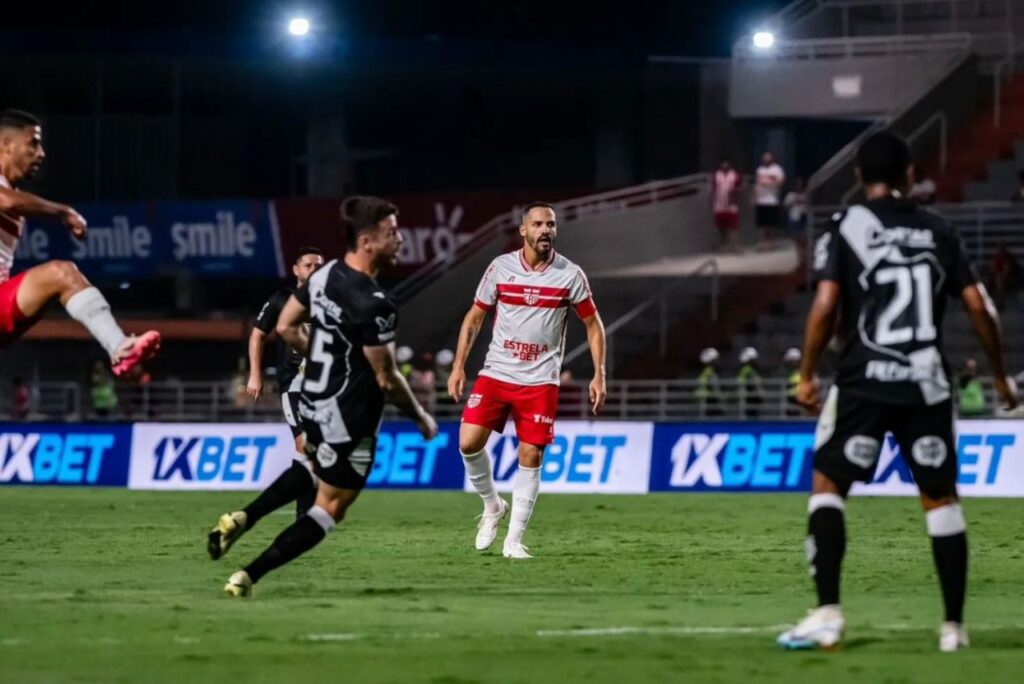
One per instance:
(849, 48)
(647, 400)
(568, 211)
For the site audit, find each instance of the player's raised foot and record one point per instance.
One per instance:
(134, 350)
(487, 529)
(952, 637)
(229, 528)
(822, 628)
(239, 585)
(515, 550)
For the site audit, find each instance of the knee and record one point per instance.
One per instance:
(65, 275)
(530, 455)
(334, 507)
(472, 443)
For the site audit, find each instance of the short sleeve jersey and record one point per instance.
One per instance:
(289, 361)
(10, 232)
(348, 310)
(895, 264)
(531, 308)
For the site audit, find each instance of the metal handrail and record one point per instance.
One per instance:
(645, 400)
(611, 329)
(861, 46)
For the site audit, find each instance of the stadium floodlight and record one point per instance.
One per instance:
(298, 26)
(764, 40)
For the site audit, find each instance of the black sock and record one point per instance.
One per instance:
(306, 500)
(951, 561)
(826, 545)
(288, 487)
(304, 534)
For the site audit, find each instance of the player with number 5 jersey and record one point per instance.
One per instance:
(530, 292)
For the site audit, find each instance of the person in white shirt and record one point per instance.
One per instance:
(768, 183)
(724, 190)
(530, 292)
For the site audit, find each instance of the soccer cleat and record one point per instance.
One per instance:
(952, 637)
(134, 351)
(515, 550)
(487, 530)
(822, 628)
(229, 529)
(239, 585)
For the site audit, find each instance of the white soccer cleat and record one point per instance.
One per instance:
(487, 529)
(239, 585)
(952, 637)
(822, 628)
(515, 550)
(229, 528)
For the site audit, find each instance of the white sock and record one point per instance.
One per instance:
(478, 467)
(90, 308)
(321, 518)
(524, 495)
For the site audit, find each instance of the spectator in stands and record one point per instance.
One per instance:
(748, 380)
(923, 190)
(1018, 195)
(725, 186)
(796, 203)
(709, 389)
(971, 398)
(239, 384)
(102, 391)
(768, 183)
(445, 359)
(21, 399)
(423, 381)
(791, 365)
(1004, 275)
(404, 356)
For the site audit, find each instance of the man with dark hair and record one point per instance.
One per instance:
(350, 372)
(298, 483)
(884, 270)
(531, 291)
(24, 298)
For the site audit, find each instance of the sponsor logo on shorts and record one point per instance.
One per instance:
(861, 450)
(326, 456)
(474, 400)
(546, 420)
(929, 451)
(360, 461)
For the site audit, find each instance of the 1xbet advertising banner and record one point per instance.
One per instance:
(212, 239)
(251, 455)
(63, 455)
(586, 457)
(774, 457)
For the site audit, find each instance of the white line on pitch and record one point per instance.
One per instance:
(671, 631)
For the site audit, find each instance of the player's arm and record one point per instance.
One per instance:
(472, 323)
(396, 389)
(290, 325)
(985, 320)
(25, 204)
(821, 324)
(597, 342)
(254, 388)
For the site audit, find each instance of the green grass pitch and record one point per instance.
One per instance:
(115, 586)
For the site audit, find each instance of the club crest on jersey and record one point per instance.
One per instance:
(385, 324)
(474, 400)
(531, 295)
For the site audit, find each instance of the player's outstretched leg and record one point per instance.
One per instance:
(300, 537)
(948, 530)
(826, 544)
(297, 483)
(62, 280)
(472, 446)
(524, 496)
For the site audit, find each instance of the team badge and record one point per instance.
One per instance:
(531, 296)
(474, 400)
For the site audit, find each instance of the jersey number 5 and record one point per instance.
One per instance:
(913, 288)
(319, 359)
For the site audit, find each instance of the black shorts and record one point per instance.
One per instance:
(851, 430)
(290, 408)
(766, 215)
(340, 459)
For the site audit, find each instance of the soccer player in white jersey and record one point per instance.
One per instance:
(24, 298)
(530, 291)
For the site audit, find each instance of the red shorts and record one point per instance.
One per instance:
(727, 220)
(533, 408)
(13, 323)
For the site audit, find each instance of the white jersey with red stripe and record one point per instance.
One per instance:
(10, 233)
(531, 308)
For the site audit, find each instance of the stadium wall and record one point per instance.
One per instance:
(586, 457)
